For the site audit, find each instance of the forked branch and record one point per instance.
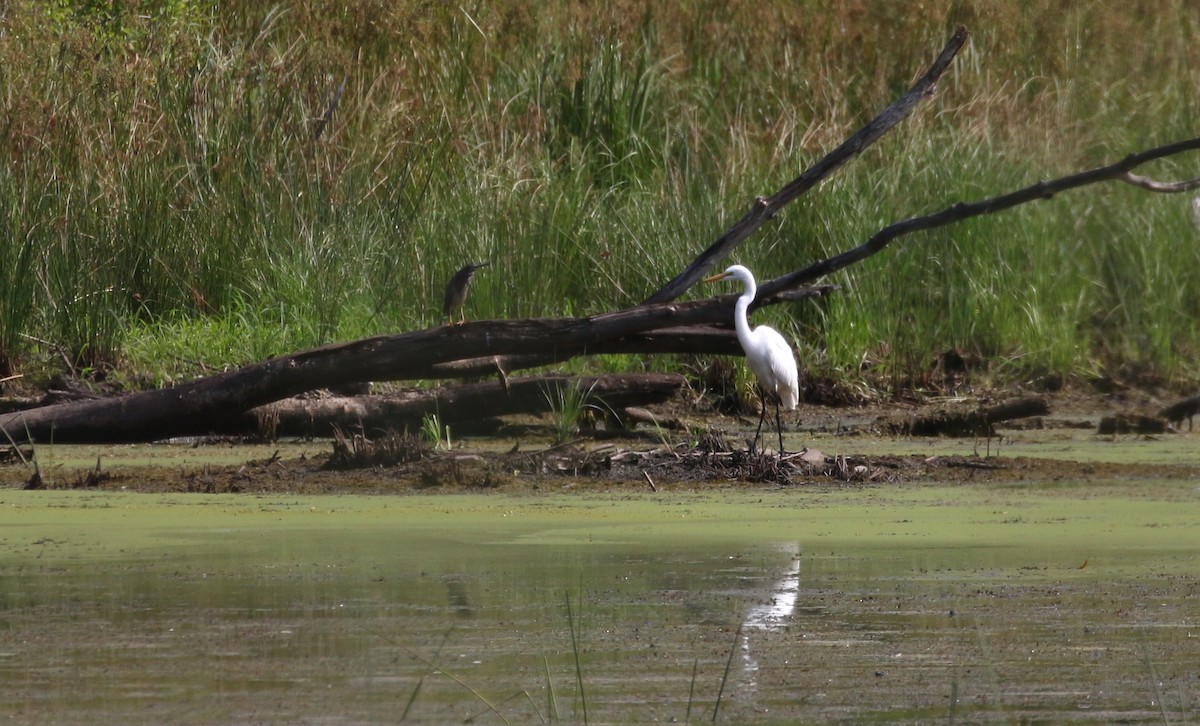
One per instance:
(766, 208)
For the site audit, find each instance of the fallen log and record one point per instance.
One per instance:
(406, 410)
(976, 422)
(1130, 423)
(636, 414)
(208, 404)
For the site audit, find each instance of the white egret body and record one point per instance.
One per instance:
(767, 353)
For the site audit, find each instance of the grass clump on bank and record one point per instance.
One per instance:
(165, 209)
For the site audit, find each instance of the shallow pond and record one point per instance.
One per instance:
(888, 604)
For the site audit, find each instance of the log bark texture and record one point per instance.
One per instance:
(453, 404)
(208, 404)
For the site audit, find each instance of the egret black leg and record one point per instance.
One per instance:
(779, 427)
(761, 417)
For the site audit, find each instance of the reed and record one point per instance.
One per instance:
(167, 210)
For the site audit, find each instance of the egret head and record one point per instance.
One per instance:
(736, 272)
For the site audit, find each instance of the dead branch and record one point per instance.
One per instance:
(691, 336)
(1016, 408)
(1153, 185)
(764, 209)
(966, 210)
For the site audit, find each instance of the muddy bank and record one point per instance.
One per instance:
(825, 446)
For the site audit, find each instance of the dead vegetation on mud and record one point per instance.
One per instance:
(519, 460)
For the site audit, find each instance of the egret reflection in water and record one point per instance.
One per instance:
(456, 593)
(774, 612)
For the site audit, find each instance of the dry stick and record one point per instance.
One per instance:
(728, 665)
(1153, 185)
(766, 208)
(966, 210)
(319, 127)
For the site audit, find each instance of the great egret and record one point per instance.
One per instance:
(769, 355)
(456, 291)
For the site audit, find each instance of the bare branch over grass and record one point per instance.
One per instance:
(766, 208)
(966, 210)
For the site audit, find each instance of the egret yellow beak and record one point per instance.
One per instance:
(714, 278)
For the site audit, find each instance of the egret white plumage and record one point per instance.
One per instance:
(767, 353)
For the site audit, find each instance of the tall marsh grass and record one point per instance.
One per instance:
(165, 209)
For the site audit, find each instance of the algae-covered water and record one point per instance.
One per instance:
(898, 603)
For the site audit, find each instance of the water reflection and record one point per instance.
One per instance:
(338, 624)
(780, 604)
(774, 613)
(456, 593)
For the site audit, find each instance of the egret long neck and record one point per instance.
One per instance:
(740, 311)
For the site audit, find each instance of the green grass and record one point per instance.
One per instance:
(434, 433)
(568, 403)
(166, 211)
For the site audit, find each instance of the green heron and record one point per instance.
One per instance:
(456, 291)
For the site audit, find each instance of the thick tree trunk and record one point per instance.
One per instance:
(492, 347)
(406, 410)
(208, 404)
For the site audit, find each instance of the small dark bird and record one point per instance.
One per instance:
(456, 291)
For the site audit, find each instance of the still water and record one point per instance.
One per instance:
(919, 604)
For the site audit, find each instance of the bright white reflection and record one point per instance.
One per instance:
(774, 612)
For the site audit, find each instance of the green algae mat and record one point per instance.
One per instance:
(1056, 601)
